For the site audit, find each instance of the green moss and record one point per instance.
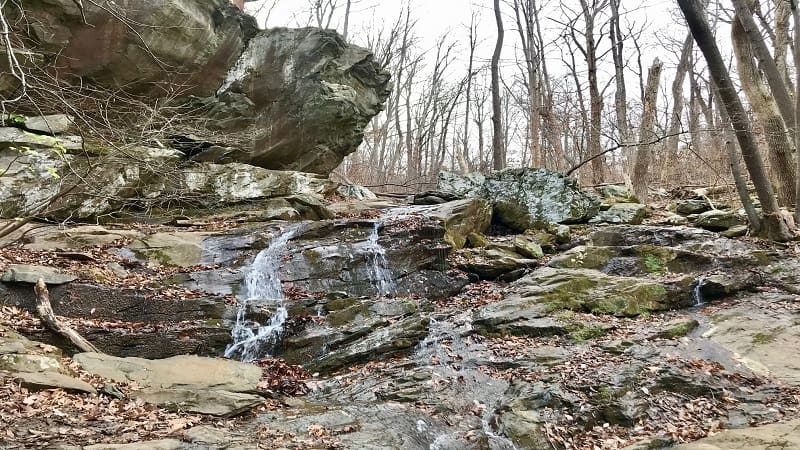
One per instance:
(654, 258)
(340, 303)
(767, 337)
(605, 396)
(347, 315)
(579, 332)
(653, 264)
(680, 330)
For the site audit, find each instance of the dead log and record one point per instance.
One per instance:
(45, 310)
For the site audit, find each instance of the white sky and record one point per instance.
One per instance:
(452, 17)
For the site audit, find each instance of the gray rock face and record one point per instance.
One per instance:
(178, 372)
(717, 220)
(461, 186)
(692, 207)
(141, 178)
(50, 124)
(779, 435)
(355, 192)
(315, 92)
(525, 198)
(52, 380)
(285, 99)
(618, 213)
(22, 273)
(198, 53)
(215, 403)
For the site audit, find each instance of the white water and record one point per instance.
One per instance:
(697, 293)
(252, 340)
(377, 265)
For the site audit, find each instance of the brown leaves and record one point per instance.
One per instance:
(282, 378)
(37, 418)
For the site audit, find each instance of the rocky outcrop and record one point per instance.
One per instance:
(285, 99)
(525, 198)
(629, 213)
(306, 96)
(534, 297)
(187, 42)
(36, 366)
(138, 179)
(184, 383)
(356, 331)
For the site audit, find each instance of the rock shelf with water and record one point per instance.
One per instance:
(604, 339)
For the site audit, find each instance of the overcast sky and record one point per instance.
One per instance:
(451, 17)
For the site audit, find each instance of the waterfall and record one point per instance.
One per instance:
(252, 340)
(697, 292)
(377, 265)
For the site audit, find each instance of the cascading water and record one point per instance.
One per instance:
(697, 292)
(252, 340)
(446, 350)
(377, 265)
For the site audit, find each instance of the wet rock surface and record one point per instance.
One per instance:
(657, 334)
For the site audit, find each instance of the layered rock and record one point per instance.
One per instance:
(59, 186)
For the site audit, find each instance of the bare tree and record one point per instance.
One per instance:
(463, 157)
(525, 13)
(773, 225)
(796, 56)
(647, 133)
(765, 108)
(677, 95)
(498, 150)
(617, 51)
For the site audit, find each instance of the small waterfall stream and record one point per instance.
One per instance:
(252, 340)
(377, 265)
(433, 352)
(697, 292)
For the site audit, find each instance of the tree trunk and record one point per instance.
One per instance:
(763, 105)
(647, 133)
(673, 136)
(736, 170)
(595, 99)
(45, 310)
(773, 225)
(463, 159)
(796, 57)
(498, 160)
(621, 96)
(346, 19)
(783, 15)
(765, 60)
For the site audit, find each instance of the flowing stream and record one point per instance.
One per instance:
(377, 265)
(697, 292)
(252, 340)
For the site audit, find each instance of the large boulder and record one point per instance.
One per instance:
(308, 96)
(460, 218)
(632, 213)
(189, 43)
(525, 198)
(285, 99)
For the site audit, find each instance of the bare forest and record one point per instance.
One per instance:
(609, 91)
